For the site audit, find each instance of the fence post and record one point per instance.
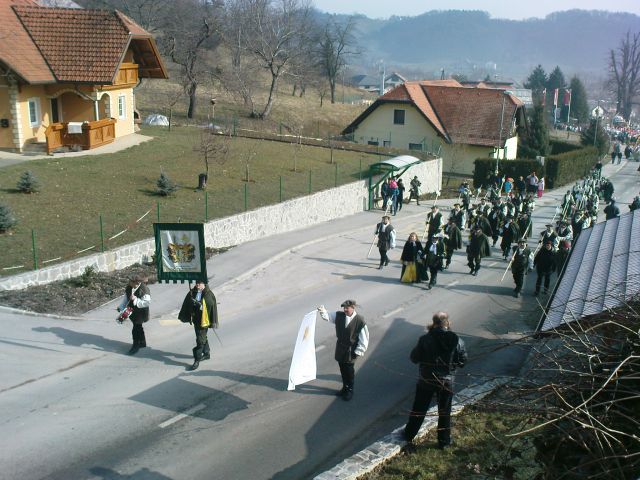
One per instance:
(33, 248)
(360, 170)
(158, 209)
(280, 129)
(280, 188)
(206, 206)
(309, 182)
(101, 235)
(336, 174)
(170, 118)
(246, 196)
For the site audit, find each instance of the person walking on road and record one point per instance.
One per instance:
(438, 353)
(434, 222)
(433, 257)
(453, 240)
(611, 210)
(200, 309)
(477, 249)
(137, 297)
(386, 239)
(520, 265)
(415, 189)
(411, 252)
(401, 190)
(352, 342)
(545, 263)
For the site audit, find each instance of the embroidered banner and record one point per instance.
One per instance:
(180, 252)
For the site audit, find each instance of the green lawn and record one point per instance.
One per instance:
(121, 187)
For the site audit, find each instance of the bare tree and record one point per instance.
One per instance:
(624, 72)
(335, 44)
(190, 34)
(213, 147)
(149, 14)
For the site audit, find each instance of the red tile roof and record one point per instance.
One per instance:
(69, 44)
(17, 50)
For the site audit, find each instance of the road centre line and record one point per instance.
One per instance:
(182, 415)
(320, 347)
(492, 264)
(392, 312)
(452, 284)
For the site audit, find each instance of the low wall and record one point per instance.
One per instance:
(283, 217)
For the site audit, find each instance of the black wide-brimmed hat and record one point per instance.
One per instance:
(348, 303)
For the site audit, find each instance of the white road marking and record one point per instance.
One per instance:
(182, 415)
(320, 347)
(166, 321)
(392, 312)
(491, 264)
(452, 284)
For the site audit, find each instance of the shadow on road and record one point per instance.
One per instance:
(97, 342)
(367, 264)
(142, 474)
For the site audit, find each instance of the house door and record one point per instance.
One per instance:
(55, 113)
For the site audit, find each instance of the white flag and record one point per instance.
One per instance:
(303, 363)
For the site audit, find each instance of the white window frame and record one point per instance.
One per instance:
(122, 106)
(35, 101)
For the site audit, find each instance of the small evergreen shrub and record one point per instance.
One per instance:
(165, 186)
(28, 183)
(7, 219)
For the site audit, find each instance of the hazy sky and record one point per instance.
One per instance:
(496, 8)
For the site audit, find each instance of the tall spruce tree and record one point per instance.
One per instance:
(537, 82)
(579, 106)
(556, 79)
(537, 141)
(595, 136)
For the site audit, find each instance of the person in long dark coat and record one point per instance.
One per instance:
(200, 309)
(386, 239)
(453, 240)
(509, 232)
(438, 353)
(495, 218)
(545, 263)
(520, 265)
(411, 252)
(611, 210)
(137, 297)
(434, 222)
(477, 249)
(434, 254)
(525, 225)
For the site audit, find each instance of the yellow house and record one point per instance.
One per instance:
(442, 117)
(67, 75)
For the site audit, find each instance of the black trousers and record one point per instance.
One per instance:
(348, 373)
(202, 343)
(434, 275)
(138, 335)
(384, 259)
(443, 390)
(449, 254)
(518, 277)
(474, 261)
(547, 280)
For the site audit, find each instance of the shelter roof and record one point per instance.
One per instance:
(397, 163)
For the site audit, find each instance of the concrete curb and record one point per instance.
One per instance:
(391, 445)
(17, 311)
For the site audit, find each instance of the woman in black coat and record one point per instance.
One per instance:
(411, 253)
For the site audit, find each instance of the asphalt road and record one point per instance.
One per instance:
(74, 406)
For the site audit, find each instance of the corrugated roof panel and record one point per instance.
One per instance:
(575, 305)
(633, 266)
(595, 295)
(619, 260)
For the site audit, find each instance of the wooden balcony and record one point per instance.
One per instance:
(94, 134)
(127, 76)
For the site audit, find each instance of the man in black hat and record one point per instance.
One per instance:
(520, 264)
(509, 234)
(611, 210)
(137, 297)
(352, 341)
(495, 221)
(565, 237)
(434, 222)
(386, 239)
(545, 263)
(458, 215)
(434, 254)
(200, 309)
(477, 249)
(525, 225)
(453, 240)
(415, 190)
(549, 234)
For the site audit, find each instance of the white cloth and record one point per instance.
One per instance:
(303, 363)
(74, 127)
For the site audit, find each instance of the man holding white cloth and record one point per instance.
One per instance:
(352, 341)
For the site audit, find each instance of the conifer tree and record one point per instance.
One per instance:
(7, 219)
(537, 141)
(599, 138)
(165, 186)
(28, 183)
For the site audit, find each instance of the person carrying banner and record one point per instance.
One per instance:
(439, 352)
(352, 342)
(200, 309)
(137, 297)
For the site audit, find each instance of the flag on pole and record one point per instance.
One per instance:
(303, 363)
(544, 96)
(555, 97)
(566, 100)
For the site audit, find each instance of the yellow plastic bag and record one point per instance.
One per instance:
(410, 273)
(205, 322)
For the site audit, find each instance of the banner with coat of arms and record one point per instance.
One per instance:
(180, 252)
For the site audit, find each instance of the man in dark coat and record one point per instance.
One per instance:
(519, 265)
(611, 210)
(200, 309)
(480, 221)
(545, 263)
(477, 249)
(495, 220)
(386, 239)
(438, 353)
(525, 225)
(549, 235)
(137, 297)
(352, 341)
(434, 222)
(510, 233)
(635, 205)
(434, 254)
(453, 240)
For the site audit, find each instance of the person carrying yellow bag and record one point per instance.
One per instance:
(411, 252)
(200, 309)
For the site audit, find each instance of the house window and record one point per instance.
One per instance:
(373, 142)
(415, 146)
(398, 117)
(122, 106)
(386, 143)
(34, 112)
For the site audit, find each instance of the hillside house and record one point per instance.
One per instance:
(67, 75)
(442, 117)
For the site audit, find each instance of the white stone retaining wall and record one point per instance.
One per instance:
(259, 223)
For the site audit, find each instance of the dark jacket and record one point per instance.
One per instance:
(545, 261)
(190, 311)
(611, 211)
(434, 221)
(384, 238)
(454, 242)
(410, 253)
(434, 260)
(139, 315)
(438, 352)
(520, 262)
(347, 337)
(479, 246)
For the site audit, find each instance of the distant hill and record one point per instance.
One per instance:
(474, 44)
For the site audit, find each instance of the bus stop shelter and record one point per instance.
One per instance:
(395, 166)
